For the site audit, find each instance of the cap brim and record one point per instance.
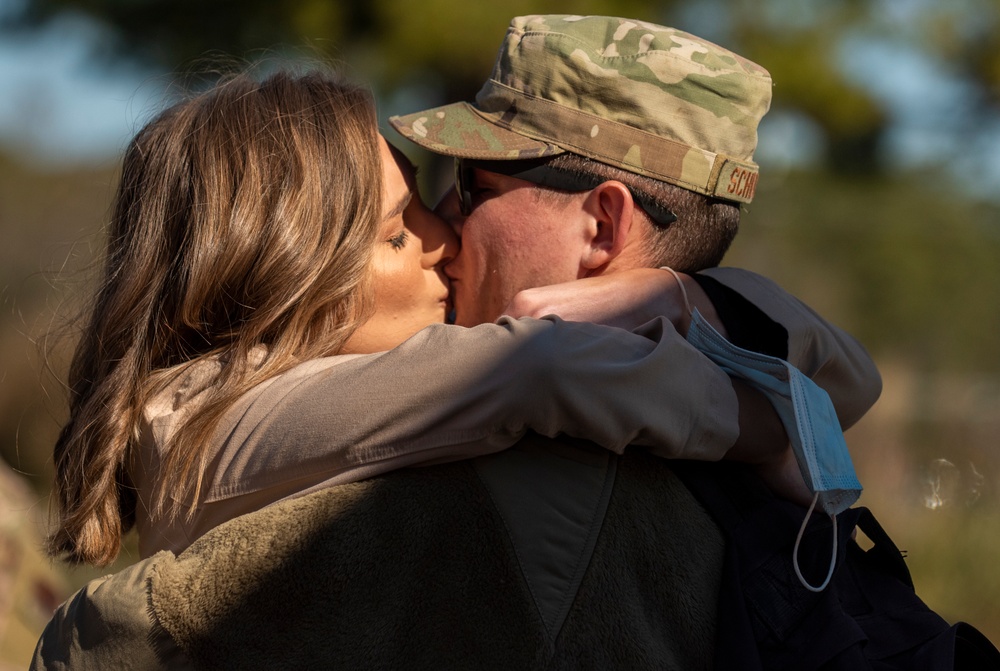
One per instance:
(458, 130)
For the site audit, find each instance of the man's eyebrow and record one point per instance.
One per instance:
(484, 175)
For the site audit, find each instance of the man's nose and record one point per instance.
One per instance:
(448, 208)
(449, 247)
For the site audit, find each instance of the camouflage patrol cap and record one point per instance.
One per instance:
(645, 98)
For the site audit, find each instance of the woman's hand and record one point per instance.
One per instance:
(626, 299)
(629, 299)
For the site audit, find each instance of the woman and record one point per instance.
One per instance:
(265, 243)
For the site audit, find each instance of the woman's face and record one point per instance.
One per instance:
(411, 290)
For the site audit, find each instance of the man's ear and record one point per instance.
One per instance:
(610, 209)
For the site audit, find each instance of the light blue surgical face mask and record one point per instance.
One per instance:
(809, 419)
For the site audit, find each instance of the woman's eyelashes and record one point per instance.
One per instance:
(399, 241)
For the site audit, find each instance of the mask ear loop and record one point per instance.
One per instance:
(680, 285)
(798, 541)
(812, 506)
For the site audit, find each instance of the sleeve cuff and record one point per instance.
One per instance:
(747, 325)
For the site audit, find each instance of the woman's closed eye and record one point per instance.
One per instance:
(399, 241)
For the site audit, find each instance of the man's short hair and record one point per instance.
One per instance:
(704, 229)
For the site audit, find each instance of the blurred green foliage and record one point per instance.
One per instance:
(904, 261)
(49, 223)
(446, 47)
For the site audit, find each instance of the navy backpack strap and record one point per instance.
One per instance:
(869, 616)
(876, 590)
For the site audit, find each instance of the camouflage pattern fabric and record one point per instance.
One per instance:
(30, 586)
(645, 98)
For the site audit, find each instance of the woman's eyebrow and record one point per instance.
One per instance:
(409, 172)
(399, 207)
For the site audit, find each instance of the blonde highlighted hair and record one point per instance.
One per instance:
(244, 222)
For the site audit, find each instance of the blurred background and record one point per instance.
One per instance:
(878, 204)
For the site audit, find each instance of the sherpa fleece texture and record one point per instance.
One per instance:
(415, 570)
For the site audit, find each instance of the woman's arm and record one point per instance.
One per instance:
(831, 357)
(753, 313)
(449, 393)
(756, 314)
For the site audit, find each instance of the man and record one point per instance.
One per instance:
(553, 554)
(602, 146)
(597, 148)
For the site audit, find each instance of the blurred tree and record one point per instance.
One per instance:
(441, 49)
(448, 46)
(395, 39)
(799, 43)
(966, 34)
(904, 263)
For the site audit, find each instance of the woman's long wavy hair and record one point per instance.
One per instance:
(246, 216)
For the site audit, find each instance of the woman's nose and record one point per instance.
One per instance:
(440, 244)
(448, 209)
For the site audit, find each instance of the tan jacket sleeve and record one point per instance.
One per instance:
(449, 393)
(832, 358)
